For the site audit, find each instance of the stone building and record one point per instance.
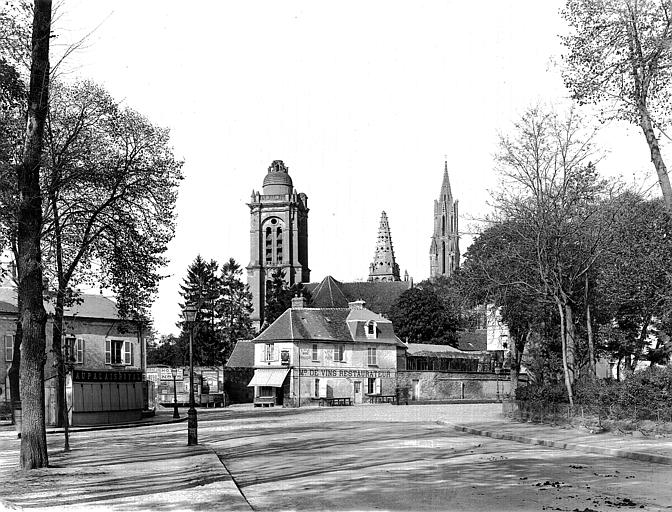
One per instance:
(278, 235)
(444, 251)
(106, 358)
(384, 266)
(308, 354)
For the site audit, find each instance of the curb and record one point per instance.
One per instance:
(117, 427)
(613, 452)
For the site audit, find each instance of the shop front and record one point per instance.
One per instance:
(269, 386)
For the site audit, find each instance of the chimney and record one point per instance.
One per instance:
(298, 302)
(357, 304)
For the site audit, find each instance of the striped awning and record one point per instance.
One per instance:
(269, 377)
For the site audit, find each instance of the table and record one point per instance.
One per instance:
(336, 401)
(382, 399)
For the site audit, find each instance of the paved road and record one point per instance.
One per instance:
(398, 458)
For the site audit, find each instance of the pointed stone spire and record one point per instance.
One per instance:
(445, 186)
(384, 266)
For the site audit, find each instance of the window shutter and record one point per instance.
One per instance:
(378, 386)
(323, 388)
(108, 354)
(9, 347)
(127, 352)
(80, 350)
(132, 362)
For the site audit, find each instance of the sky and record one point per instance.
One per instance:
(363, 101)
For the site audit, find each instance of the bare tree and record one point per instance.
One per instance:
(552, 192)
(620, 57)
(29, 263)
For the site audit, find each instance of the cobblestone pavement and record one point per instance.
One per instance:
(399, 458)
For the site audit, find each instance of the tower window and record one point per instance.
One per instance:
(278, 245)
(443, 226)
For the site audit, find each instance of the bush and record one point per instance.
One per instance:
(544, 393)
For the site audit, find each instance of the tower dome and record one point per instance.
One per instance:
(277, 181)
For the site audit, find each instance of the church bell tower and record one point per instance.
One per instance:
(278, 236)
(444, 252)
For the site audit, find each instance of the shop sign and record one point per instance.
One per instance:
(345, 373)
(167, 374)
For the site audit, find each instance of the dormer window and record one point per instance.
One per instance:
(370, 329)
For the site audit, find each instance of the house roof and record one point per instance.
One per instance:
(445, 351)
(327, 324)
(242, 355)
(378, 295)
(473, 340)
(88, 305)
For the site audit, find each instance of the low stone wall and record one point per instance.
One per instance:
(426, 385)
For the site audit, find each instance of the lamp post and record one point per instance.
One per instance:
(498, 369)
(190, 313)
(176, 414)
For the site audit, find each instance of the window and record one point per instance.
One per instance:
(9, 347)
(373, 387)
(339, 353)
(371, 360)
(266, 391)
(315, 355)
(118, 352)
(74, 350)
(269, 352)
(371, 329)
(317, 388)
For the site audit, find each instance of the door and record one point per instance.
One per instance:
(358, 391)
(415, 390)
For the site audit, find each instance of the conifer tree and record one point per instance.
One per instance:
(233, 308)
(201, 288)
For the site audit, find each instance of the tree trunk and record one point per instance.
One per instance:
(15, 368)
(656, 157)
(570, 333)
(565, 365)
(57, 348)
(589, 329)
(32, 314)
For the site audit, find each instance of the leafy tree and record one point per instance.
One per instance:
(620, 58)
(419, 315)
(634, 282)
(110, 185)
(201, 288)
(499, 271)
(168, 350)
(233, 308)
(279, 296)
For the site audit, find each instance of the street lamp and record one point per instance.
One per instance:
(190, 314)
(176, 414)
(498, 370)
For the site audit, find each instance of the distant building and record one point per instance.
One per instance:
(444, 251)
(278, 236)
(384, 266)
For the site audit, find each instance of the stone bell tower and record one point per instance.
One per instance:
(278, 235)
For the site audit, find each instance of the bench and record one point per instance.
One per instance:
(382, 399)
(335, 401)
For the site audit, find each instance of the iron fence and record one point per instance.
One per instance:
(550, 412)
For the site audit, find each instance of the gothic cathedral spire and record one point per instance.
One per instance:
(384, 267)
(444, 252)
